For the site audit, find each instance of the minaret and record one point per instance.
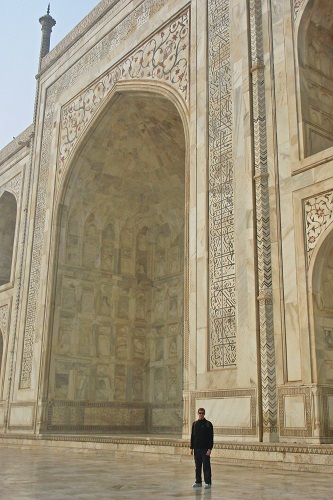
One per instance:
(47, 23)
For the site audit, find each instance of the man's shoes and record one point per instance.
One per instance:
(196, 485)
(207, 485)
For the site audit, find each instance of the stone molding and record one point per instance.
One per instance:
(23, 407)
(221, 189)
(89, 60)
(295, 391)
(173, 444)
(318, 216)
(233, 393)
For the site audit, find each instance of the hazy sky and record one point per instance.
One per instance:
(20, 37)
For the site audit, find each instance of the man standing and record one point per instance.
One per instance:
(202, 438)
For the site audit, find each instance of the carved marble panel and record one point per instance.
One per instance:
(221, 197)
(318, 215)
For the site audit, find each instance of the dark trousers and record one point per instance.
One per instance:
(202, 460)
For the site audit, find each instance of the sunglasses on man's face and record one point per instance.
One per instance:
(201, 412)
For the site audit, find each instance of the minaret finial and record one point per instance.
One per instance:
(47, 23)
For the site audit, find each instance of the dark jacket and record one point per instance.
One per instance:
(202, 435)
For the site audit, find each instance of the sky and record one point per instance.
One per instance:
(20, 38)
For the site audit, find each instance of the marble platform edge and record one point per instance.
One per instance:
(312, 458)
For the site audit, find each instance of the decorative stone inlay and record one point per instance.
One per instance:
(14, 186)
(84, 65)
(4, 318)
(297, 4)
(221, 189)
(267, 348)
(163, 58)
(318, 215)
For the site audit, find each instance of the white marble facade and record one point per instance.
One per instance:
(165, 234)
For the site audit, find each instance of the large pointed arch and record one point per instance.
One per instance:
(8, 211)
(117, 331)
(321, 307)
(315, 61)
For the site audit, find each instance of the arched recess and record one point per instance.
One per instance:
(315, 58)
(116, 361)
(322, 300)
(8, 211)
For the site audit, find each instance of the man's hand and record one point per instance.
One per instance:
(191, 452)
(208, 453)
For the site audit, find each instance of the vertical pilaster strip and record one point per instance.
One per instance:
(267, 348)
(221, 189)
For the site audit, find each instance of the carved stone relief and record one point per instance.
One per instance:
(318, 215)
(221, 189)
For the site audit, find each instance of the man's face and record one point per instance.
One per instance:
(201, 414)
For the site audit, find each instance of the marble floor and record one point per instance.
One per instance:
(44, 473)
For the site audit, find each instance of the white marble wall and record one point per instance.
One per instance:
(219, 98)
